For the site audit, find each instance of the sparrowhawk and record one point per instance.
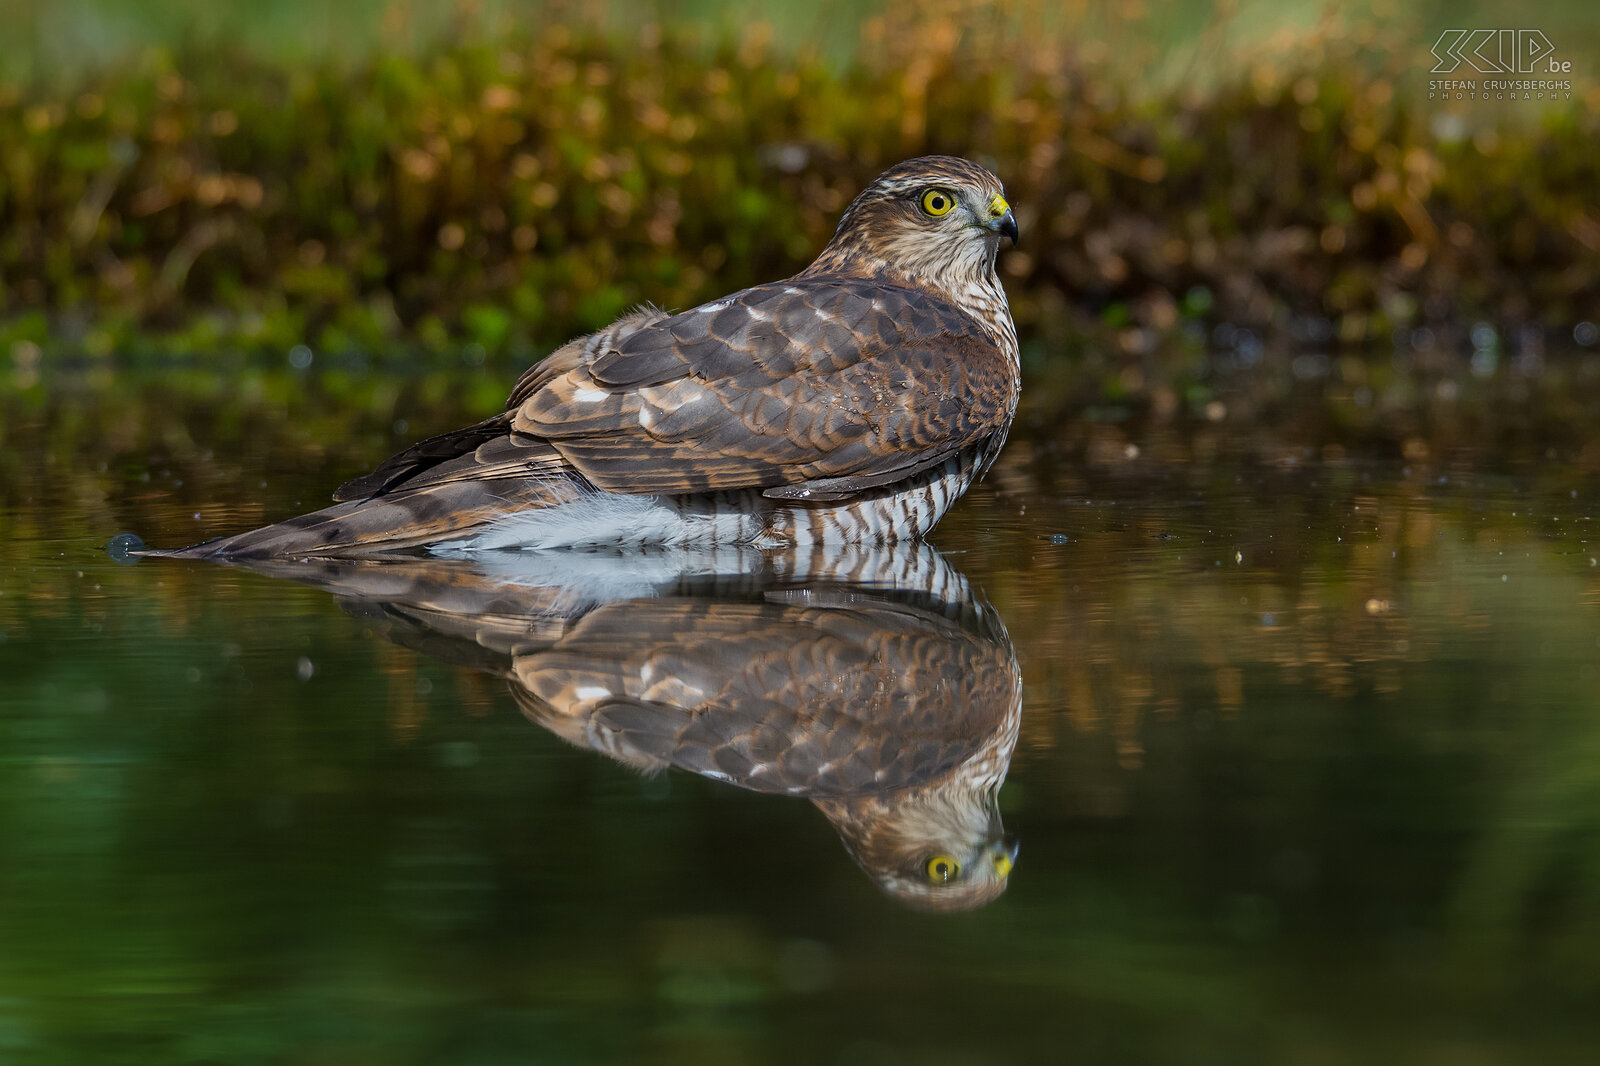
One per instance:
(851, 403)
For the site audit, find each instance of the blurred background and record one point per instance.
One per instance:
(1215, 198)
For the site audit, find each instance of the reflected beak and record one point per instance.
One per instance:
(1003, 853)
(1001, 220)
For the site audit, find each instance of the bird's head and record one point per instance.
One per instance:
(934, 849)
(935, 221)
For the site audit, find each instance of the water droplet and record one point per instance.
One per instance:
(124, 547)
(304, 668)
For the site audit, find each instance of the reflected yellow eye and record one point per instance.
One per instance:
(937, 202)
(942, 868)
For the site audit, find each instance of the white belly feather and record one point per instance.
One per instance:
(598, 519)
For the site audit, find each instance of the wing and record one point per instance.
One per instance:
(840, 701)
(490, 449)
(809, 388)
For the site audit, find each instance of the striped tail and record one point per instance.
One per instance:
(394, 522)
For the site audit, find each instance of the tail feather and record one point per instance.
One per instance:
(446, 501)
(438, 488)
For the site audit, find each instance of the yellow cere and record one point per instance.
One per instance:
(1002, 866)
(937, 202)
(998, 206)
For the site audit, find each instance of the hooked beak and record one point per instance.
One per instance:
(1001, 220)
(1003, 852)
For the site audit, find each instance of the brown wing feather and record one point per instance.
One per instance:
(422, 456)
(406, 467)
(581, 350)
(849, 700)
(836, 384)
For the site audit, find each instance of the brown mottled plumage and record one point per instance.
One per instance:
(874, 682)
(853, 402)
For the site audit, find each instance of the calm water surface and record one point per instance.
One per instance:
(1305, 766)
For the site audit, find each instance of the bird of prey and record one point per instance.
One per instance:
(874, 682)
(851, 403)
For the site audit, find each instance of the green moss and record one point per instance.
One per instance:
(512, 190)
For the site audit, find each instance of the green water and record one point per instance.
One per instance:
(1308, 766)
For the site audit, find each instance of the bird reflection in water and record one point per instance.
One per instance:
(878, 685)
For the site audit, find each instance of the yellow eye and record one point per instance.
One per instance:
(938, 202)
(942, 868)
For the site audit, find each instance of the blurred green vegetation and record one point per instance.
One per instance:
(501, 186)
